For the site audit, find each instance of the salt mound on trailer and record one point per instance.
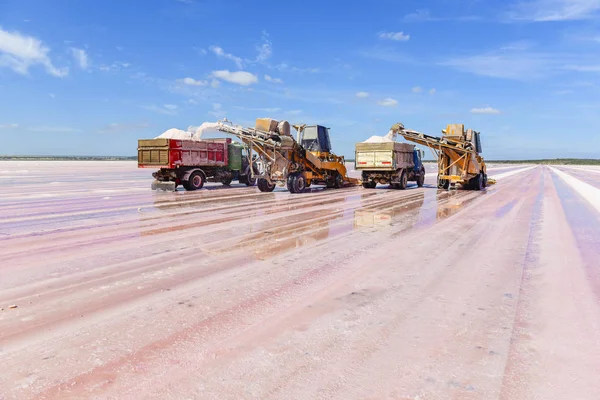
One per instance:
(381, 139)
(175, 133)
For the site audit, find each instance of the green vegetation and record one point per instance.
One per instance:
(67, 158)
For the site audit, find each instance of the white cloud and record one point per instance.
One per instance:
(9, 126)
(417, 89)
(170, 107)
(221, 53)
(362, 94)
(432, 91)
(288, 68)
(217, 111)
(485, 110)
(389, 102)
(123, 127)
(554, 10)
(80, 57)
(399, 36)
(240, 77)
(215, 84)
(423, 15)
(265, 49)
(161, 110)
(53, 129)
(19, 52)
(193, 82)
(116, 66)
(269, 78)
(193, 101)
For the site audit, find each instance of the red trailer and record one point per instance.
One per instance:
(193, 162)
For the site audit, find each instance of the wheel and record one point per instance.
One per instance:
(195, 181)
(369, 184)
(477, 182)
(443, 183)
(299, 183)
(485, 180)
(250, 180)
(339, 181)
(290, 183)
(226, 182)
(403, 181)
(421, 179)
(264, 186)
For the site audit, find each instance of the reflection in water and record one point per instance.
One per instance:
(451, 202)
(405, 210)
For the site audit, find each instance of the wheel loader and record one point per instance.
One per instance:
(295, 163)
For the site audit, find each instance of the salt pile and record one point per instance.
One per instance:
(390, 137)
(192, 133)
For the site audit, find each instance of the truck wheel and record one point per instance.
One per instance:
(369, 184)
(226, 182)
(195, 181)
(403, 181)
(264, 186)
(421, 180)
(484, 180)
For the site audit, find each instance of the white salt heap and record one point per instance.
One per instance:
(192, 133)
(390, 137)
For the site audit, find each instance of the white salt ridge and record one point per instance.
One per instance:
(390, 137)
(192, 133)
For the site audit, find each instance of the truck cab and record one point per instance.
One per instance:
(315, 138)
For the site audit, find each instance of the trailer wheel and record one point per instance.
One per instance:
(195, 181)
(264, 186)
(403, 181)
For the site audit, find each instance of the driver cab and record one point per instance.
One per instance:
(315, 138)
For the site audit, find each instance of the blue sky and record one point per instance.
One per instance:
(91, 77)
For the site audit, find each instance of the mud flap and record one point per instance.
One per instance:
(162, 185)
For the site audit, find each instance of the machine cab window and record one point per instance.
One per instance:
(316, 139)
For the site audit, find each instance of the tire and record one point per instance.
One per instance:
(403, 181)
(264, 186)
(477, 182)
(421, 179)
(250, 180)
(443, 183)
(226, 182)
(290, 183)
(299, 183)
(369, 184)
(485, 180)
(195, 181)
(339, 181)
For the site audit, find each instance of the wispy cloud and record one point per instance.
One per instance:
(53, 129)
(170, 106)
(116, 66)
(193, 82)
(432, 91)
(123, 128)
(398, 36)
(362, 94)
(485, 110)
(417, 89)
(267, 109)
(219, 52)
(161, 110)
(19, 52)
(386, 54)
(264, 49)
(389, 102)
(239, 77)
(424, 15)
(269, 78)
(284, 67)
(9, 126)
(554, 10)
(81, 57)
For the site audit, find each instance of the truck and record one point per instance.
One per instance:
(389, 162)
(191, 163)
(458, 152)
(292, 163)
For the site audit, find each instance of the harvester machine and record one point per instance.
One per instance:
(458, 156)
(286, 161)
